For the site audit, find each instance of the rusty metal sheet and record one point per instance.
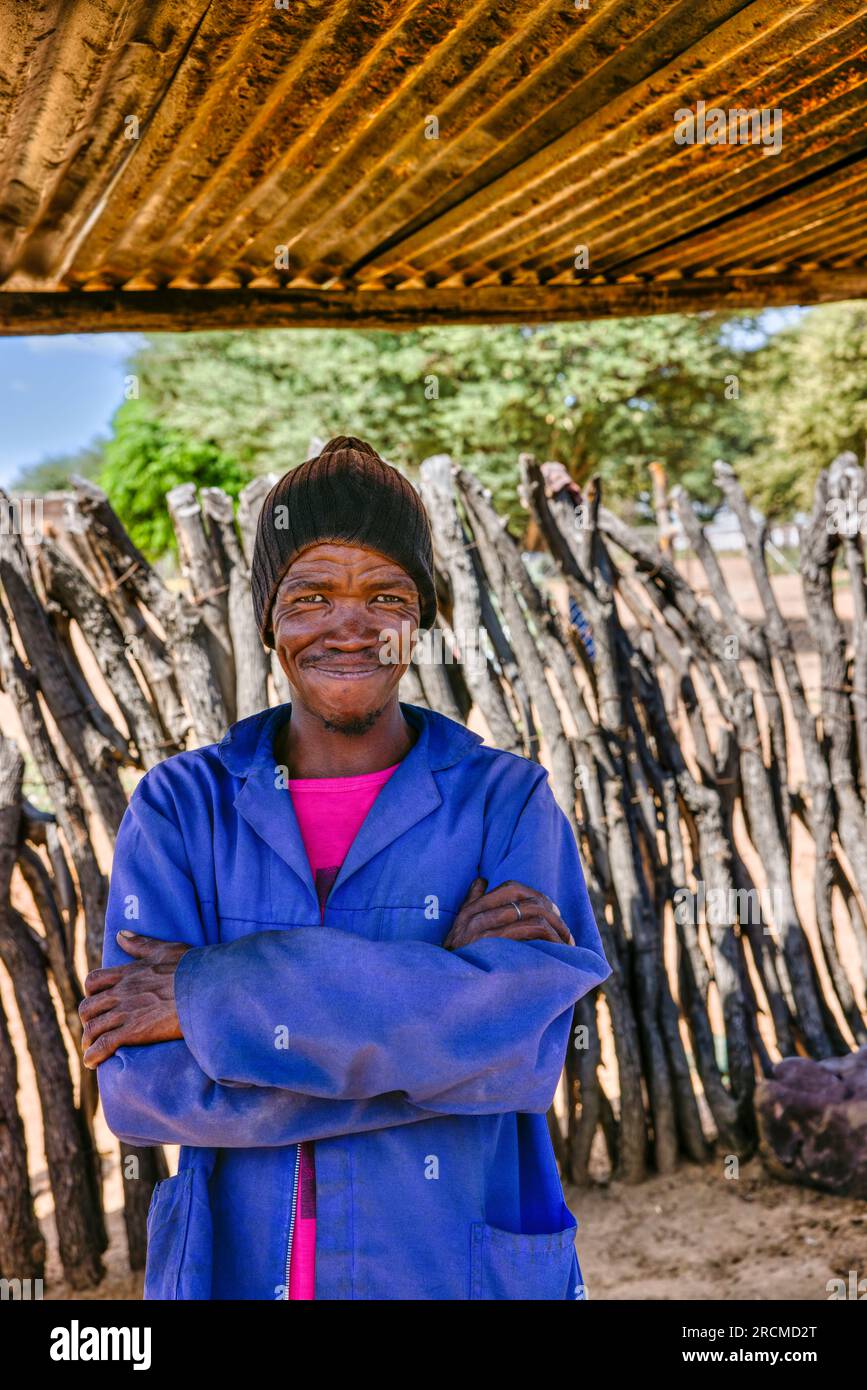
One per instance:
(403, 161)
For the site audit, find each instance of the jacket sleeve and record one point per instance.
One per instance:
(157, 1093)
(480, 1030)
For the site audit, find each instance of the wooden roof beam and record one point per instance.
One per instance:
(167, 310)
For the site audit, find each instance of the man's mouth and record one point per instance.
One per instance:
(358, 670)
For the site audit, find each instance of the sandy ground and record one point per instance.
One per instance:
(698, 1235)
(691, 1235)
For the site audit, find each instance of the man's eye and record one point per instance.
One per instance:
(391, 598)
(310, 598)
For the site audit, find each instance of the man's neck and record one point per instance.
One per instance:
(308, 748)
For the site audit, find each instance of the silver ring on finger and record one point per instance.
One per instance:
(517, 909)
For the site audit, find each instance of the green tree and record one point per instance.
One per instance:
(806, 392)
(606, 397)
(144, 459)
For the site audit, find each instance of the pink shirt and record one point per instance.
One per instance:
(330, 811)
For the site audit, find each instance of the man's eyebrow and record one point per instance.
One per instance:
(306, 582)
(396, 580)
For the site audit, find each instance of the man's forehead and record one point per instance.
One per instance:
(336, 559)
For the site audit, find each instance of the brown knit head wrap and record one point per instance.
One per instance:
(348, 493)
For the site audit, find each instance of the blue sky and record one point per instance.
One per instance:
(57, 394)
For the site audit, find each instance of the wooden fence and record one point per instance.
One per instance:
(669, 748)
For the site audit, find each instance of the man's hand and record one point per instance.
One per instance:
(483, 914)
(132, 1003)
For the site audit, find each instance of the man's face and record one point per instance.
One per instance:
(339, 610)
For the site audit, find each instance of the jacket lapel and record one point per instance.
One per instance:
(262, 801)
(409, 795)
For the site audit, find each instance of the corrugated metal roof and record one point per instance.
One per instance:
(194, 164)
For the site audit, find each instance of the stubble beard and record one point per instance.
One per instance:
(353, 726)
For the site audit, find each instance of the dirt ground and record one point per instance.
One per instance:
(699, 1235)
(692, 1235)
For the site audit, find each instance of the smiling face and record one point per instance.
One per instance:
(338, 611)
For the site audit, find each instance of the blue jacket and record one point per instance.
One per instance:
(423, 1075)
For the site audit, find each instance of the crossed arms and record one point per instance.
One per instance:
(283, 1036)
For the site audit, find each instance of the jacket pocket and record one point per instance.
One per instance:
(512, 1265)
(179, 1238)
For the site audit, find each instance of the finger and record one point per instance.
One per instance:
(102, 1049)
(511, 888)
(542, 905)
(505, 894)
(96, 1005)
(542, 930)
(103, 1023)
(477, 889)
(105, 978)
(500, 902)
(490, 918)
(458, 934)
(136, 945)
(554, 919)
(562, 931)
(534, 930)
(504, 914)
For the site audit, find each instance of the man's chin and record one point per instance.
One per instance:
(350, 724)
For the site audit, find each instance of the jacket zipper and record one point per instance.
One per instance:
(294, 1203)
(292, 1215)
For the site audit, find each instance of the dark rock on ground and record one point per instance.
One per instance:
(813, 1122)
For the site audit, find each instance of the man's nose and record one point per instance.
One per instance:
(352, 627)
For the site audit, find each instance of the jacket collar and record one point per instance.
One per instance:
(410, 794)
(250, 741)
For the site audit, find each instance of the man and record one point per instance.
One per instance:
(342, 951)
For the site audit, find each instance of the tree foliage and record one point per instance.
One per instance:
(604, 397)
(806, 395)
(144, 459)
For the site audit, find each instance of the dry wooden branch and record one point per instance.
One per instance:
(71, 1163)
